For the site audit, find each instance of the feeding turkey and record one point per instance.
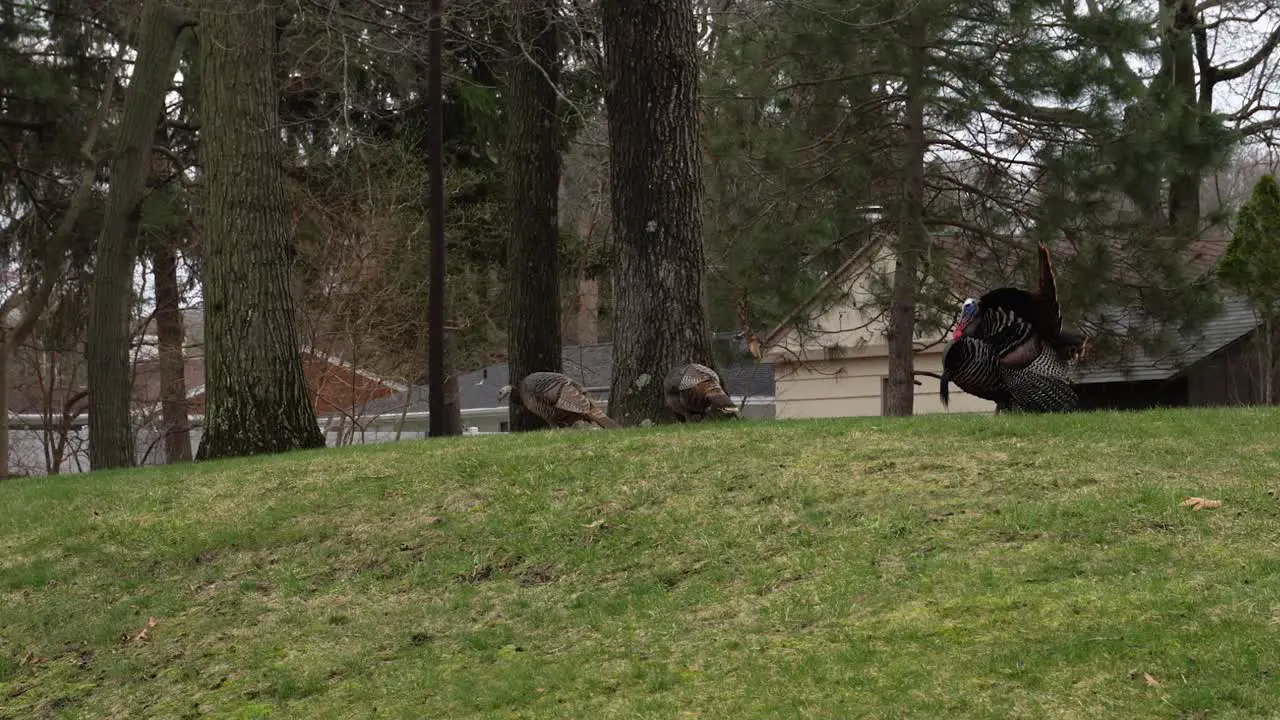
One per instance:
(694, 392)
(1009, 347)
(557, 399)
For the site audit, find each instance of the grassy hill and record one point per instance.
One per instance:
(1038, 567)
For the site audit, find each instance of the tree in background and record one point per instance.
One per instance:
(1251, 266)
(111, 442)
(257, 395)
(59, 99)
(652, 98)
(533, 189)
(1036, 129)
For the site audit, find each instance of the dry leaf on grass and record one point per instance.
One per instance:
(1197, 503)
(32, 659)
(1150, 681)
(141, 634)
(595, 524)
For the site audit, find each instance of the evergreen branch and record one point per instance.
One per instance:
(1114, 54)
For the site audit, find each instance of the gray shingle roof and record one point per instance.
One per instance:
(1234, 321)
(591, 365)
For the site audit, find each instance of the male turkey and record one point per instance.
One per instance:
(693, 391)
(1041, 386)
(1009, 347)
(557, 399)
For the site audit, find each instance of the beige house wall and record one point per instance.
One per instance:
(854, 387)
(847, 323)
(839, 369)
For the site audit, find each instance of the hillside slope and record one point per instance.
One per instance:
(968, 566)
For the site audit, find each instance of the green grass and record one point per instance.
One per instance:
(1032, 567)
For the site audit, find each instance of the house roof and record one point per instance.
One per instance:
(591, 365)
(336, 362)
(859, 259)
(1235, 320)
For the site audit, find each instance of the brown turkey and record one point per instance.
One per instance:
(557, 399)
(694, 392)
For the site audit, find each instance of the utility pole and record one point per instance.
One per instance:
(435, 163)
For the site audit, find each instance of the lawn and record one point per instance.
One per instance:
(967, 567)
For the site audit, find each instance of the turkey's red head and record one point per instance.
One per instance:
(967, 312)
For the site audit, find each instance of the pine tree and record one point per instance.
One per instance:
(1026, 141)
(1251, 266)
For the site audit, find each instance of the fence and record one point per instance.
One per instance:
(38, 446)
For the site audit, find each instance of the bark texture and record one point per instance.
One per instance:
(111, 441)
(257, 399)
(452, 398)
(651, 94)
(533, 187)
(1179, 70)
(174, 418)
(912, 237)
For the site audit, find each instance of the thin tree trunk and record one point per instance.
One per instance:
(174, 418)
(912, 237)
(1269, 360)
(107, 342)
(257, 400)
(588, 308)
(652, 95)
(4, 402)
(587, 322)
(533, 184)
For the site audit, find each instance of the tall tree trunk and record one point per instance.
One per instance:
(1180, 72)
(257, 400)
(912, 237)
(452, 400)
(533, 184)
(107, 342)
(651, 93)
(174, 418)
